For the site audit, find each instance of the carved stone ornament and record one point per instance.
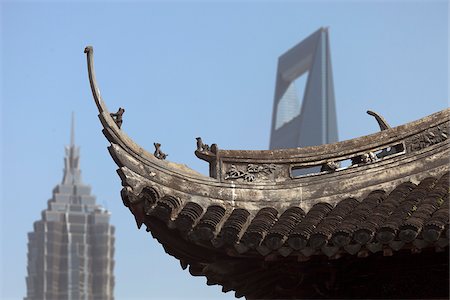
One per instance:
(201, 147)
(118, 119)
(251, 173)
(428, 138)
(158, 153)
(368, 157)
(329, 166)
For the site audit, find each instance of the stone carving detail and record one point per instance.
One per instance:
(117, 117)
(428, 138)
(368, 157)
(158, 153)
(364, 158)
(202, 147)
(329, 166)
(251, 173)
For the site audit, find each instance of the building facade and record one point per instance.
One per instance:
(71, 249)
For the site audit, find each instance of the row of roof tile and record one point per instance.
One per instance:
(415, 216)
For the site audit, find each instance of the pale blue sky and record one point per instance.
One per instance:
(186, 69)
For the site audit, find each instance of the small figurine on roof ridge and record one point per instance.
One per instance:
(117, 117)
(202, 147)
(158, 153)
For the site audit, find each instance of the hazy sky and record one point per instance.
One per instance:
(184, 69)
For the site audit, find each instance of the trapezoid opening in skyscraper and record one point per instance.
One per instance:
(308, 119)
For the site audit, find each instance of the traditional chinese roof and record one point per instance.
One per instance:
(254, 208)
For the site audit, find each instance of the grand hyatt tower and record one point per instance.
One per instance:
(71, 249)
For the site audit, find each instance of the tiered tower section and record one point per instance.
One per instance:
(71, 249)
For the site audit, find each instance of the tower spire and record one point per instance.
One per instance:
(72, 131)
(72, 172)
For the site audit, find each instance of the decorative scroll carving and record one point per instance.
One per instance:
(251, 173)
(265, 168)
(158, 153)
(234, 173)
(428, 138)
(118, 116)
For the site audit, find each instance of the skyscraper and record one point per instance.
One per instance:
(307, 119)
(71, 249)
